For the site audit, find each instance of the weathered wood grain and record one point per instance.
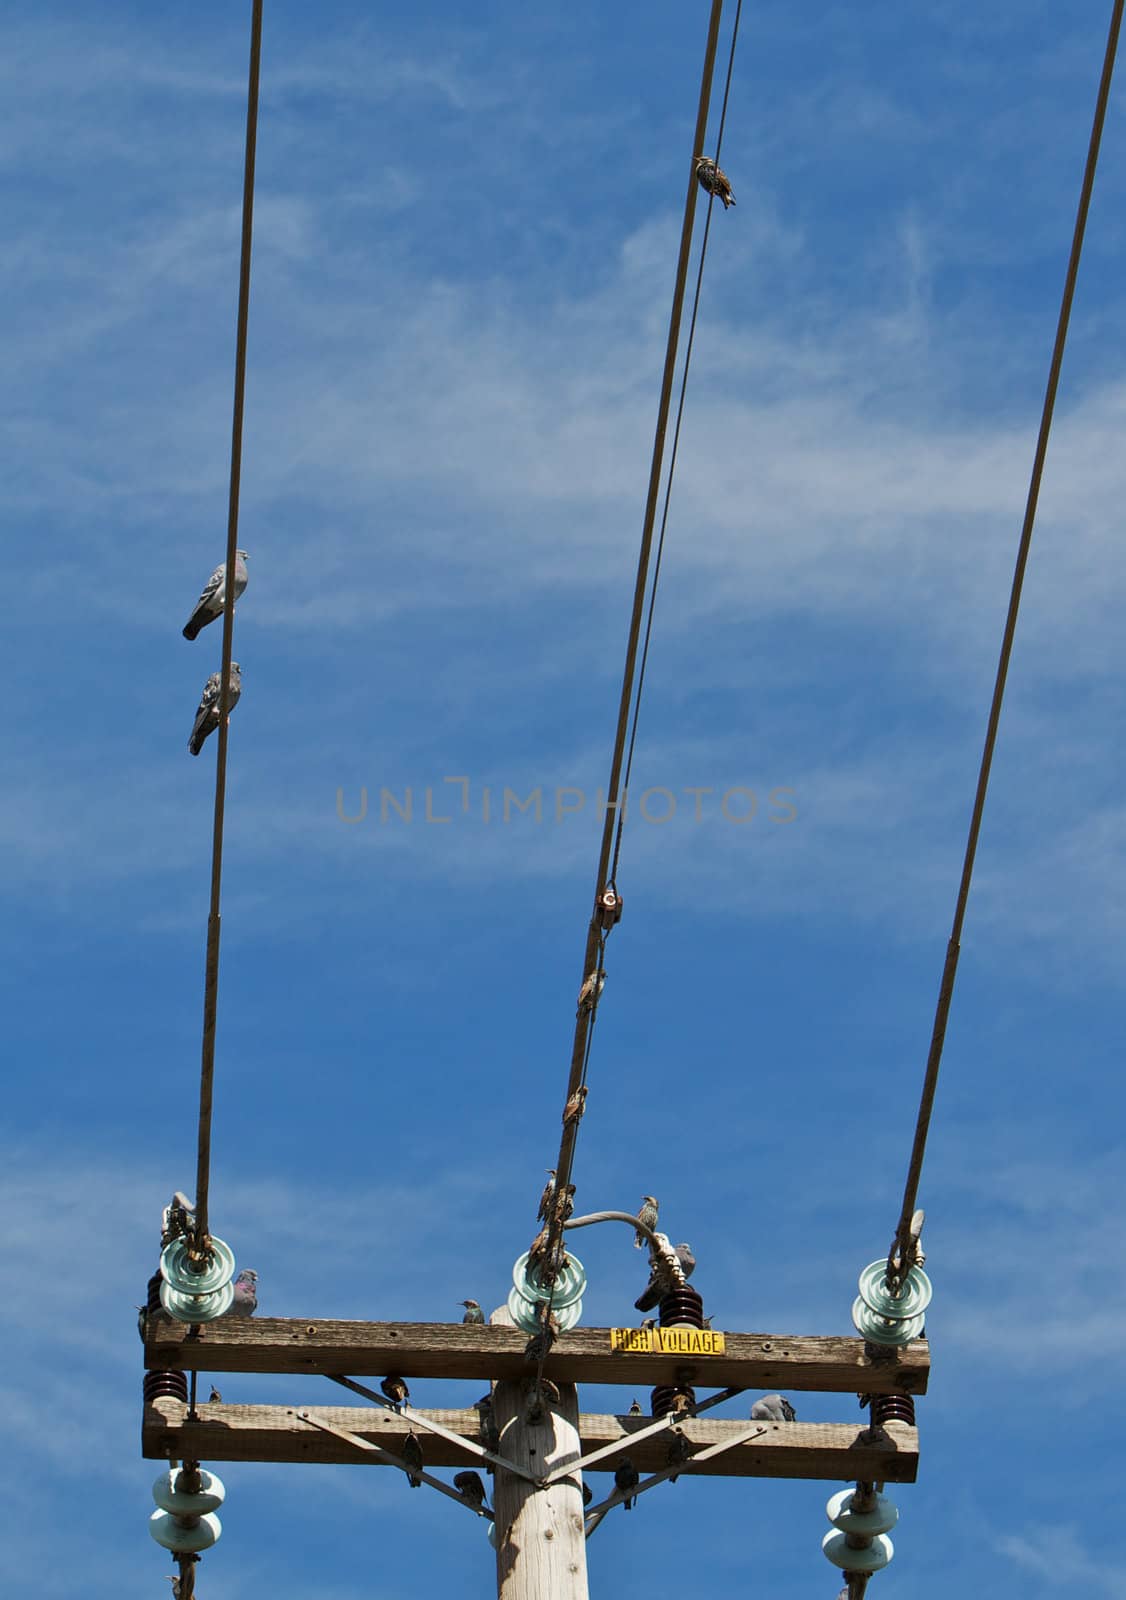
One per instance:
(827, 1450)
(451, 1350)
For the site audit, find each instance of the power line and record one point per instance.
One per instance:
(903, 1249)
(211, 978)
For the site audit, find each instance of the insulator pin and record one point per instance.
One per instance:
(608, 909)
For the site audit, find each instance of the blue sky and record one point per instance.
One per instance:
(465, 239)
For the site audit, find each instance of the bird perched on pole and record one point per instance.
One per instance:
(647, 1216)
(679, 1450)
(714, 180)
(635, 1409)
(591, 991)
(396, 1391)
(573, 1110)
(655, 1288)
(412, 1455)
(214, 1398)
(547, 1196)
(471, 1486)
(209, 606)
(207, 714)
(626, 1478)
(474, 1316)
(773, 1408)
(490, 1433)
(245, 1302)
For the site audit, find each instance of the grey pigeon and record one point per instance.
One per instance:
(635, 1409)
(474, 1316)
(412, 1455)
(773, 1408)
(546, 1196)
(714, 180)
(395, 1390)
(654, 1290)
(470, 1485)
(626, 1478)
(207, 716)
(591, 991)
(245, 1302)
(648, 1216)
(209, 606)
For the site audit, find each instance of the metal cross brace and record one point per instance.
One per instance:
(395, 1461)
(662, 1423)
(435, 1427)
(596, 1513)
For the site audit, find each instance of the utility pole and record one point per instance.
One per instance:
(540, 1533)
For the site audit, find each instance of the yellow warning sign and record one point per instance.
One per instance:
(667, 1341)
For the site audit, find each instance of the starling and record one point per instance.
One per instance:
(412, 1455)
(209, 606)
(565, 1203)
(245, 1302)
(474, 1316)
(648, 1322)
(626, 1478)
(591, 992)
(679, 1451)
(546, 1196)
(214, 1398)
(573, 1110)
(648, 1216)
(635, 1409)
(683, 1404)
(395, 1390)
(490, 1433)
(654, 1289)
(773, 1408)
(714, 180)
(207, 714)
(471, 1486)
(588, 1494)
(539, 1248)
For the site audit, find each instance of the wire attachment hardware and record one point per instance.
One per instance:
(185, 1521)
(884, 1317)
(608, 909)
(529, 1292)
(196, 1296)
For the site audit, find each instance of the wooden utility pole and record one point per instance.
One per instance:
(540, 1533)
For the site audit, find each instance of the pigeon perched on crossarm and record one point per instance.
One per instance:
(714, 180)
(648, 1216)
(773, 1408)
(245, 1303)
(395, 1390)
(209, 606)
(207, 715)
(471, 1487)
(474, 1316)
(626, 1478)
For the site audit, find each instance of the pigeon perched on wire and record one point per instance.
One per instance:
(412, 1455)
(396, 1391)
(474, 1316)
(647, 1216)
(547, 1196)
(626, 1478)
(209, 606)
(655, 1288)
(773, 1408)
(591, 991)
(714, 180)
(471, 1486)
(207, 715)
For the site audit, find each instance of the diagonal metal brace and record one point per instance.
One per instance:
(435, 1427)
(596, 1513)
(630, 1439)
(395, 1461)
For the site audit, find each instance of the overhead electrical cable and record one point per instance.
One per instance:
(211, 978)
(904, 1248)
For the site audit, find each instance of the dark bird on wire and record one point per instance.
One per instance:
(773, 1408)
(635, 1409)
(679, 1451)
(591, 991)
(207, 715)
(654, 1289)
(648, 1217)
(547, 1196)
(474, 1316)
(490, 1433)
(573, 1110)
(626, 1478)
(471, 1487)
(209, 606)
(395, 1390)
(214, 1398)
(412, 1455)
(714, 180)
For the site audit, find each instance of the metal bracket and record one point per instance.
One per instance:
(596, 1513)
(395, 1461)
(630, 1439)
